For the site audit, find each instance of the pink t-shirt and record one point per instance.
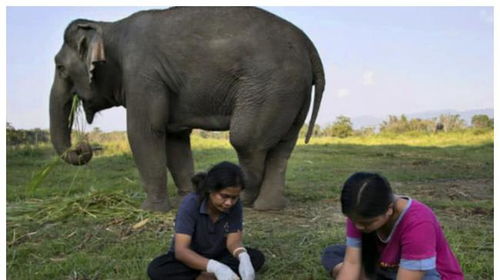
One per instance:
(415, 243)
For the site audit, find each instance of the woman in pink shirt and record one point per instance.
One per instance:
(388, 236)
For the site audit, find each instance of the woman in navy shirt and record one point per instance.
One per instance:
(208, 232)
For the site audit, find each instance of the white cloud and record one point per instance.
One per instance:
(368, 78)
(343, 92)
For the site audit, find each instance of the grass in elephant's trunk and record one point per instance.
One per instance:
(75, 120)
(79, 137)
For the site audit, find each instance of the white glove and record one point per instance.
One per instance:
(246, 268)
(221, 271)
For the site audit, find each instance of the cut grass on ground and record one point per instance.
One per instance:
(85, 222)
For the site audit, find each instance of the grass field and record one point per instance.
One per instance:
(84, 222)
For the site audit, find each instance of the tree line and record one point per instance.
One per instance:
(23, 136)
(342, 127)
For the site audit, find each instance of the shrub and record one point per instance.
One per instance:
(342, 128)
(481, 121)
(452, 122)
(316, 131)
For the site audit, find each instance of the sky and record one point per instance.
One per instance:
(377, 60)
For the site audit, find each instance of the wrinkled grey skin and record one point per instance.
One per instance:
(240, 69)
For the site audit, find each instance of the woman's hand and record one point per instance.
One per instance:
(351, 268)
(246, 268)
(221, 271)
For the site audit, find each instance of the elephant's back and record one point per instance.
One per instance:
(221, 18)
(246, 27)
(221, 40)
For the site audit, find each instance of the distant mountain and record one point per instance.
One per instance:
(365, 121)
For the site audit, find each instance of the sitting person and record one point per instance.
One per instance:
(208, 232)
(388, 236)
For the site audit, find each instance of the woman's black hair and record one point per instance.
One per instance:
(367, 195)
(222, 175)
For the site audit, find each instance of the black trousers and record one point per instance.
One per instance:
(168, 267)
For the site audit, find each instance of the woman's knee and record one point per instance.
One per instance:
(257, 257)
(332, 256)
(153, 270)
(165, 267)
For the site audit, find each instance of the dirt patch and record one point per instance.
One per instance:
(469, 190)
(327, 212)
(297, 215)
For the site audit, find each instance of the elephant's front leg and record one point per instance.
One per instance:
(180, 162)
(148, 147)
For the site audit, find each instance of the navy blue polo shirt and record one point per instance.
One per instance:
(207, 238)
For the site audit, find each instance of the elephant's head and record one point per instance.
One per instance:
(76, 73)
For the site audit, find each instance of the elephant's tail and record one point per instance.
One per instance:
(319, 86)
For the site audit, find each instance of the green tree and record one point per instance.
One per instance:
(14, 137)
(23, 136)
(481, 121)
(365, 131)
(342, 128)
(305, 127)
(421, 125)
(395, 124)
(452, 122)
(402, 124)
(96, 130)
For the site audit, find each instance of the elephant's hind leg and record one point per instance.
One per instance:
(251, 156)
(252, 163)
(272, 191)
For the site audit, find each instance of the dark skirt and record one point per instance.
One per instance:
(168, 267)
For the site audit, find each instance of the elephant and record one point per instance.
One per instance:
(241, 69)
(439, 127)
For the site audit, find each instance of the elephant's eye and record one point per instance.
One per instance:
(61, 70)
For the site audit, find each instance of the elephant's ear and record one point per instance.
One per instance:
(91, 47)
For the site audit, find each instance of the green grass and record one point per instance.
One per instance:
(85, 222)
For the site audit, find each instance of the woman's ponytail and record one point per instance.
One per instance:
(369, 253)
(198, 181)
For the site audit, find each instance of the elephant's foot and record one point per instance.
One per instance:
(176, 201)
(248, 198)
(274, 203)
(156, 206)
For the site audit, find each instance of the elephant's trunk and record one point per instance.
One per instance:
(60, 124)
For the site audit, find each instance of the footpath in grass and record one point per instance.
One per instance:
(85, 222)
